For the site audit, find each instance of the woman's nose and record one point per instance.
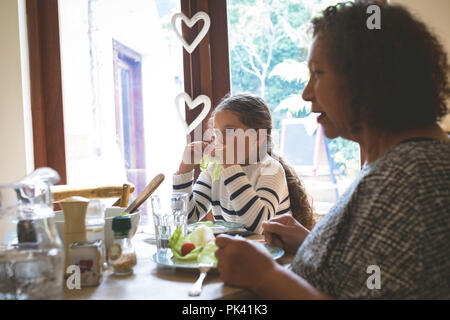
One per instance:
(308, 94)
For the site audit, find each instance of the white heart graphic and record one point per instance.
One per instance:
(190, 23)
(202, 99)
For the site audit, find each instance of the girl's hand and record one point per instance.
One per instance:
(285, 232)
(192, 152)
(242, 263)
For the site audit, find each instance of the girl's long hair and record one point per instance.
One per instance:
(254, 113)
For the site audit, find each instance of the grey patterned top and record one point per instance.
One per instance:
(396, 216)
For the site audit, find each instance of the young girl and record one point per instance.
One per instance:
(250, 192)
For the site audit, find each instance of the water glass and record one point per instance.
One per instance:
(168, 217)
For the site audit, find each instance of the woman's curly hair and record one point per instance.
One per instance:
(396, 76)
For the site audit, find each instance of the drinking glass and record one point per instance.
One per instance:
(168, 216)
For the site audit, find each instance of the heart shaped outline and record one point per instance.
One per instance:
(201, 15)
(202, 99)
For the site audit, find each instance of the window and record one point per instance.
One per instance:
(269, 42)
(122, 67)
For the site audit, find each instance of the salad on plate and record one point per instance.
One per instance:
(198, 246)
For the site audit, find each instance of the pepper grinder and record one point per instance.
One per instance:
(74, 209)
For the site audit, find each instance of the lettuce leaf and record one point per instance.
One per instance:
(190, 256)
(204, 163)
(177, 240)
(201, 235)
(217, 167)
(216, 172)
(207, 255)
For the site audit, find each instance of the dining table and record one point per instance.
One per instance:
(153, 281)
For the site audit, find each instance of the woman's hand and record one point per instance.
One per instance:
(243, 263)
(192, 152)
(285, 232)
(246, 264)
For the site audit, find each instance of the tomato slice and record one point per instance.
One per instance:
(186, 248)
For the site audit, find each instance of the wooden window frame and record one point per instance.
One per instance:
(206, 71)
(46, 86)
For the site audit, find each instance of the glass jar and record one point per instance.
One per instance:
(95, 220)
(122, 256)
(31, 251)
(95, 227)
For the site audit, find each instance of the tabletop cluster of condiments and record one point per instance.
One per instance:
(84, 241)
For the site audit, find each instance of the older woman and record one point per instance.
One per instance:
(388, 236)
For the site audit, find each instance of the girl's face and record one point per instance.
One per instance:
(227, 123)
(227, 120)
(324, 91)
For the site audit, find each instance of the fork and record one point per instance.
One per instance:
(196, 289)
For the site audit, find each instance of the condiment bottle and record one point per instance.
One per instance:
(121, 254)
(87, 255)
(74, 209)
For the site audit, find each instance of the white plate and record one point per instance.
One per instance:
(217, 226)
(166, 258)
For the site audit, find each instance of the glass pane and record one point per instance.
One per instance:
(122, 69)
(268, 50)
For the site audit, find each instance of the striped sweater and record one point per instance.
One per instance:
(248, 195)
